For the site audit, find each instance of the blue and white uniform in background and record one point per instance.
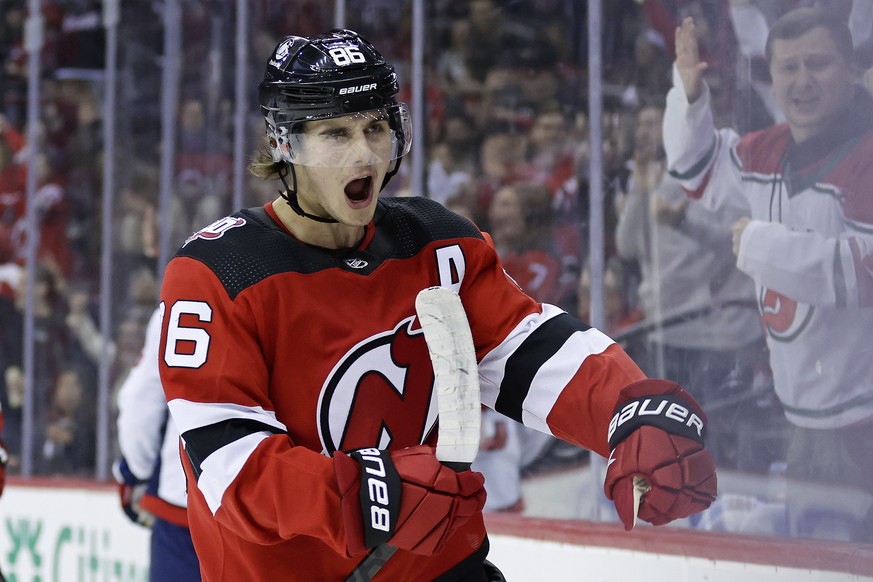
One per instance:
(149, 443)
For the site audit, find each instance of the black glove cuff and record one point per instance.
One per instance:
(665, 411)
(380, 495)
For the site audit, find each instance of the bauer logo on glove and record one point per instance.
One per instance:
(378, 481)
(658, 465)
(426, 502)
(664, 411)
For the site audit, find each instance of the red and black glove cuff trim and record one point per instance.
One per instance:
(668, 412)
(380, 495)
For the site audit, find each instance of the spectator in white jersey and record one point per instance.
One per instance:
(152, 482)
(807, 243)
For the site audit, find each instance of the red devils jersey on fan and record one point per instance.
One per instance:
(276, 353)
(537, 272)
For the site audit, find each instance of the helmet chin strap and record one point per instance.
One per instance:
(290, 196)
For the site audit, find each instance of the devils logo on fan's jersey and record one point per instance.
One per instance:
(783, 317)
(379, 393)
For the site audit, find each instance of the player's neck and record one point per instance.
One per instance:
(320, 234)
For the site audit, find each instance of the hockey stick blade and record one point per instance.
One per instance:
(456, 375)
(641, 487)
(456, 379)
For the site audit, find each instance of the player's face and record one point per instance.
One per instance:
(812, 82)
(348, 158)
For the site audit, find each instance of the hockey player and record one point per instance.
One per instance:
(807, 242)
(150, 475)
(296, 371)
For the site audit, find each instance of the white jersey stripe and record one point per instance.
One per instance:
(492, 368)
(557, 373)
(190, 415)
(221, 467)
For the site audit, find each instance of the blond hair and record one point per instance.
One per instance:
(263, 166)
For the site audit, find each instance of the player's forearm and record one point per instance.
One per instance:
(281, 491)
(142, 407)
(582, 411)
(141, 449)
(141, 417)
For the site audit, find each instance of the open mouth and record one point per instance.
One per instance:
(360, 189)
(805, 101)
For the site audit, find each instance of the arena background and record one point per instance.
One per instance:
(140, 118)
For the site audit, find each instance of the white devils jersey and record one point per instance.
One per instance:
(809, 247)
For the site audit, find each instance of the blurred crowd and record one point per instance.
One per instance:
(506, 143)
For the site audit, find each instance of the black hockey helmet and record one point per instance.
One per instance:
(329, 75)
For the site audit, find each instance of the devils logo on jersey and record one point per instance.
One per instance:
(380, 392)
(783, 317)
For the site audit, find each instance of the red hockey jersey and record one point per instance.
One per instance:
(276, 353)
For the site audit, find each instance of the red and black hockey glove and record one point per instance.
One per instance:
(657, 433)
(130, 491)
(405, 498)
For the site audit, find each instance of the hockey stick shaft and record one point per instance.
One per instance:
(456, 379)
(453, 355)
